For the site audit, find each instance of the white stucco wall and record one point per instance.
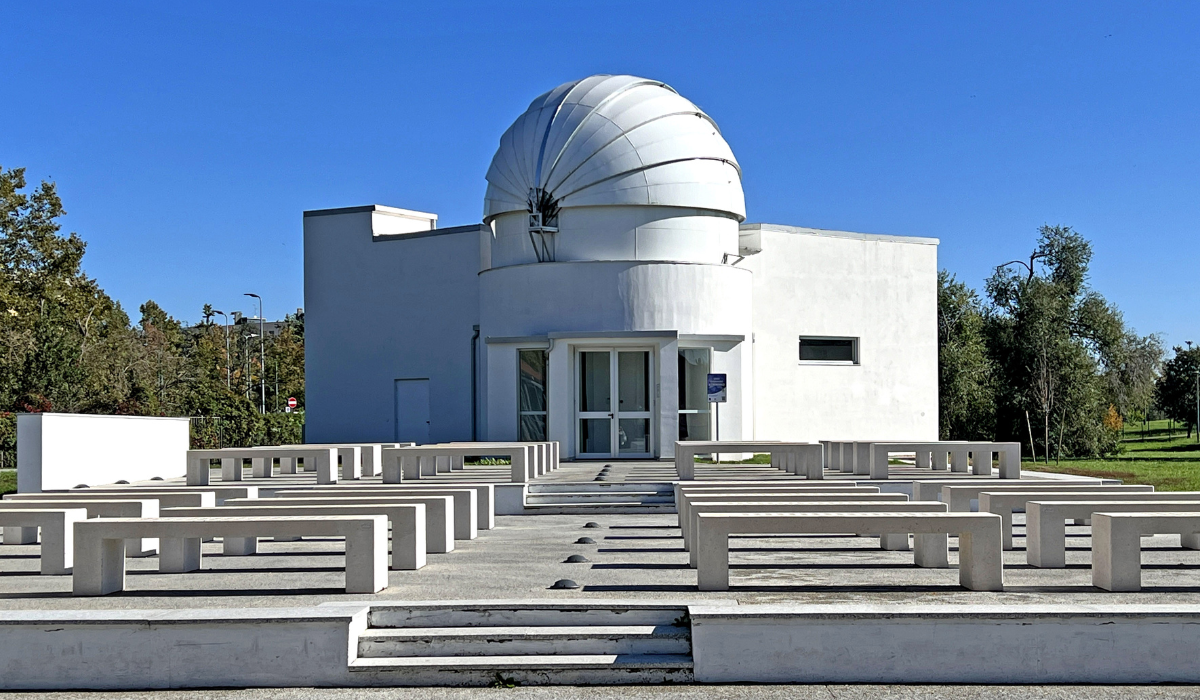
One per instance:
(63, 450)
(880, 289)
(385, 307)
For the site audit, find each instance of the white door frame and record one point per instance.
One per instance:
(614, 414)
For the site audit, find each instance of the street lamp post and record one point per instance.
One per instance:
(262, 355)
(227, 370)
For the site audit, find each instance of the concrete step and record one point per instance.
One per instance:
(533, 661)
(599, 508)
(506, 671)
(590, 497)
(601, 487)
(511, 641)
(549, 614)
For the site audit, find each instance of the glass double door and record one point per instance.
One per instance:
(614, 403)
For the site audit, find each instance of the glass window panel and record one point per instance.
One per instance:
(633, 435)
(827, 349)
(693, 379)
(533, 380)
(694, 426)
(633, 381)
(594, 435)
(533, 427)
(595, 390)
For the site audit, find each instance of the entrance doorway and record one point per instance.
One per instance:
(606, 428)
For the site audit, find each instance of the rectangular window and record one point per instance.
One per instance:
(694, 408)
(531, 395)
(829, 350)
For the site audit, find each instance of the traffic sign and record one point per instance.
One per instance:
(291, 402)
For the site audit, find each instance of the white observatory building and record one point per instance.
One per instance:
(612, 272)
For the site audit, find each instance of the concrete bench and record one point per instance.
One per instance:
(324, 460)
(57, 532)
(682, 489)
(410, 463)
(466, 510)
(1005, 503)
(897, 541)
(439, 514)
(959, 497)
(933, 454)
(1046, 530)
(684, 500)
(407, 525)
(370, 461)
(545, 455)
(1117, 544)
(220, 492)
(981, 566)
(100, 545)
(849, 456)
(166, 499)
(782, 454)
(931, 489)
(95, 509)
(485, 495)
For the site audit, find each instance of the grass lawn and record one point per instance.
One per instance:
(1167, 464)
(8, 481)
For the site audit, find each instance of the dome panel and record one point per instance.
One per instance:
(614, 140)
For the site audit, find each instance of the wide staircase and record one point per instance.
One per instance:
(599, 497)
(506, 644)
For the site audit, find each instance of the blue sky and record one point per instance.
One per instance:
(187, 140)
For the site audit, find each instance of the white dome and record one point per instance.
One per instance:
(614, 140)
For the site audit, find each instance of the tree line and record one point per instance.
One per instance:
(66, 346)
(1044, 359)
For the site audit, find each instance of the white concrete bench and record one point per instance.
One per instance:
(896, 541)
(931, 454)
(166, 499)
(324, 460)
(407, 525)
(931, 489)
(100, 545)
(370, 461)
(466, 509)
(57, 533)
(219, 491)
(439, 514)
(410, 463)
(95, 509)
(682, 489)
(685, 509)
(685, 499)
(1046, 529)
(782, 454)
(545, 456)
(485, 495)
(1117, 544)
(1005, 503)
(981, 566)
(959, 497)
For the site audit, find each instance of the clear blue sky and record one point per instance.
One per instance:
(187, 140)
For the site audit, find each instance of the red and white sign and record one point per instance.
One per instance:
(291, 402)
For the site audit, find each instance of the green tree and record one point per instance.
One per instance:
(1052, 339)
(1176, 387)
(966, 383)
